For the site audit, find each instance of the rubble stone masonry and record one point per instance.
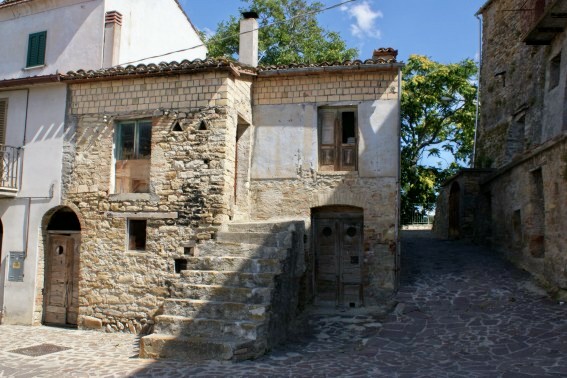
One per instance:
(191, 185)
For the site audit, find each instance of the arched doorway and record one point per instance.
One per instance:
(337, 237)
(454, 211)
(61, 297)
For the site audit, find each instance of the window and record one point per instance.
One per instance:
(137, 234)
(554, 71)
(133, 152)
(337, 139)
(36, 49)
(3, 116)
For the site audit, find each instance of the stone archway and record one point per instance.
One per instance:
(455, 211)
(61, 271)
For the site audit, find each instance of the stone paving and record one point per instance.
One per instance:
(461, 312)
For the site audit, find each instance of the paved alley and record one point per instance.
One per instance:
(461, 312)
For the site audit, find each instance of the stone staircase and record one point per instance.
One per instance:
(237, 297)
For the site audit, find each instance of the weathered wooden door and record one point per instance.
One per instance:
(454, 211)
(338, 247)
(61, 283)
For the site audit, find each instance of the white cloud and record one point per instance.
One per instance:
(365, 18)
(208, 32)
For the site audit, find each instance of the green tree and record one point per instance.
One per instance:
(289, 33)
(438, 114)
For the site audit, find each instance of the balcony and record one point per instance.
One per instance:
(9, 170)
(549, 24)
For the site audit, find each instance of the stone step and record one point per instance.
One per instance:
(268, 227)
(227, 278)
(234, 264)
(203, 327)
(282, 240)
(215, 310)
(194, 349)
(254, 251)
(221, 293)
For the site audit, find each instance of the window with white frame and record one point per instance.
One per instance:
(338, 139)
(133, 153)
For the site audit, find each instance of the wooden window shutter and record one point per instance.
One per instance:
(36, 49)
(328, 140)
(3, 119)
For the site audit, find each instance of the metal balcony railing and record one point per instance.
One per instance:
(10, 167)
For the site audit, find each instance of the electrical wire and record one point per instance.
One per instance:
(233, 35)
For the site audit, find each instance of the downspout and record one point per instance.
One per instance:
(477, 116)
(399, 186)
(28, 215)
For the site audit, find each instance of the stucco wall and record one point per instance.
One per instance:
(149, 30)
(285, 179)
(83, 26)
(41, 159)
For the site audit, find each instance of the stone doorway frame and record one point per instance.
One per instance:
(43, 245)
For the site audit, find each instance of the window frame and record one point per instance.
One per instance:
(129, 235)
(338, 148)
(118, 153)
(555, 71)
(39, 49)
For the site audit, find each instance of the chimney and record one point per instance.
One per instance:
(248, 51)
(112, 33)
(388, 54)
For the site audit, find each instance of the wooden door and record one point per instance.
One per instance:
(61, 283)
(454, 211)
(338, 246)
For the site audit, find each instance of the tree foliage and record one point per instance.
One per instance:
(438, 117)
(289, 33)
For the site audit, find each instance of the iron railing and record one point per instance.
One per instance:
(10, 167)
(421, 215)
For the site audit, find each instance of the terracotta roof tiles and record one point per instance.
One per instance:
(187, 66)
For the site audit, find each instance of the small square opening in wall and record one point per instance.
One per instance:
(180, 265)
(137, 234)
(189, 251)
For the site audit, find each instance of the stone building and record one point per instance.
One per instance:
(518, 200)
(36, 46)
(208, 202)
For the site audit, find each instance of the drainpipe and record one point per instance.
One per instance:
(477, 118)
(399, 185)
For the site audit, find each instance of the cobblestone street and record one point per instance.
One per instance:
(461, 312)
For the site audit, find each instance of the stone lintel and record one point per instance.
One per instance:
(141, 215)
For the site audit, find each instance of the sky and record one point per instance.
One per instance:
(444, 30)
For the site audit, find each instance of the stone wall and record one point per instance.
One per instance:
(512, 90)
(528, 224)
(470, 205)
(329, 87)
(285, 180)
(191, 187)
(295, 198)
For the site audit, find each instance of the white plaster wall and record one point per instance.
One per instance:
(74, 36)
(150, 30)
(379, 140)
(42, 162)
(285, 139)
